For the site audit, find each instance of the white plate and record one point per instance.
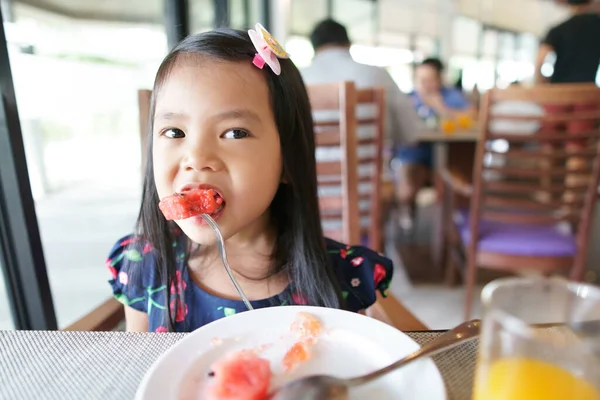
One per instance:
(352, 345)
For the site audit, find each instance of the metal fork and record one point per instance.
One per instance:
(221, 244)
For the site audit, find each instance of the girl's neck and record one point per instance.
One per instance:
(250, 256)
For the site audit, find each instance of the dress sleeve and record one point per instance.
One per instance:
(362, 272)
(131, 267)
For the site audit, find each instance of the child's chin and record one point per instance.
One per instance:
(200, 233)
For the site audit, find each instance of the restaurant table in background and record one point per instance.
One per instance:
(110, 365)
(455, 153)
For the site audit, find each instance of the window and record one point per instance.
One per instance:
(202, 15)
(300, 50)
(465, 36)
(490, 43)
(425, 46)
(305, 14)
(76, 83)
(358, 17)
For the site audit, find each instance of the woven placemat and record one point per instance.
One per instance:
(59, 365)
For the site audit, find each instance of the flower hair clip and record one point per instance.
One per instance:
(268, 49)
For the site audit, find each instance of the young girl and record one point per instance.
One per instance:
(222, 119)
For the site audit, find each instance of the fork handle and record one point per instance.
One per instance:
(221, 245)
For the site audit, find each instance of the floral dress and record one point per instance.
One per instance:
(137, 283)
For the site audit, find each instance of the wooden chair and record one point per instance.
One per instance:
(106, 317)
(368, 149)
(336, 134)
(516, 226)
(337, 164)
(144, 98)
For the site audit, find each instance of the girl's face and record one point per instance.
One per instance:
(214, 128)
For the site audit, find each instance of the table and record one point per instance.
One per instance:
(456, 153)
(65, 365)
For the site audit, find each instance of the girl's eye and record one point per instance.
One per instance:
(174, 133)
(236, 134)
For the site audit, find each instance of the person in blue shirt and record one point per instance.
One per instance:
(412, 164)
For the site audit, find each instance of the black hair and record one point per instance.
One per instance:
(300, 246)
(578, 2)
(329, 32)
(434, 63)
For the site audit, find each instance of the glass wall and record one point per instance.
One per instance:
(76, 84)
(305, 14)
(202, 15)
(6, 321)
(466, 34)
(491, 57)
(359, 18)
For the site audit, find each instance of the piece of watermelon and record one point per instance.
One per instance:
(306, 326)
(240, 376)
(190, 204)
(296, 355)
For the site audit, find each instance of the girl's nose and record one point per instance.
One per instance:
(202, 156)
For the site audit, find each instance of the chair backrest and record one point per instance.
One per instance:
(550, 170)
(144, 97)
(370, 132)
(337, 166)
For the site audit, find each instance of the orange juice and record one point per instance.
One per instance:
(464, 121)
(448, 126)
(529, 379)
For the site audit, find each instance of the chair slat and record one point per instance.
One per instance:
(331, 203)
(508, 187)
(507, 217)
(529, 204)
(558, 154)
(549, 94)
(329, 168)
(544, 136)
(536, 173)
(554, 117)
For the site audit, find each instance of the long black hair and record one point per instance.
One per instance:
(300, 247)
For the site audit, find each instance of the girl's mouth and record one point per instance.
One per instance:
(215, 215)
(191, 203)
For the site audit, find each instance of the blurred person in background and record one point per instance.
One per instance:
(576, 43)
(333, 63)
(432, 100)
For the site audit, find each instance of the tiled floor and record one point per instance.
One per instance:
(416, 282)
(437, 306)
